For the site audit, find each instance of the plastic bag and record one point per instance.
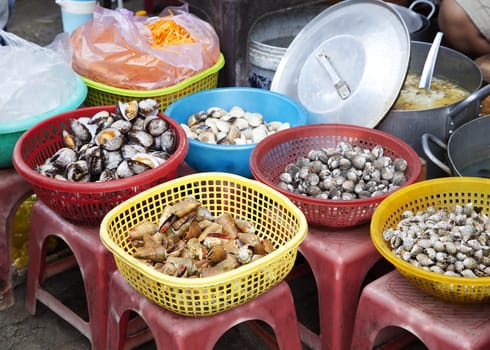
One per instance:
(114, 49)
(35, 79)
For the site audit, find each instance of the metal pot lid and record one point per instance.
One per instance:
(348, 64)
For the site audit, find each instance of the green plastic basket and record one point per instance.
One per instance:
(10, 131)
(101, 94)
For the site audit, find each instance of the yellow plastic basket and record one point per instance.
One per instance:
(103, 95)
(439, 193)
(275, 217)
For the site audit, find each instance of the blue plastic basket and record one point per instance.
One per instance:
(233, 159)
(11, 131)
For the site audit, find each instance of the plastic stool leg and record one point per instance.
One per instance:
(340, 261)
(37, 250)
(94, 260)
(14, 189)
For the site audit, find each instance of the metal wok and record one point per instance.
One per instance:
(468, 149)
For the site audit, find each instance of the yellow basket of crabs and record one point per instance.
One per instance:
(204, 243)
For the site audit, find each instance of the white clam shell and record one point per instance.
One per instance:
(188, 131)
(254, 119)
(222, 126)
(259, 133)
(242, 140)
(237, 111)
(241, 123)
(242, 127)
(212, 123)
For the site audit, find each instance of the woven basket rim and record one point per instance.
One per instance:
(320, 130)
(156, 92)
(429, 187)
(211, 280)
(45, 182)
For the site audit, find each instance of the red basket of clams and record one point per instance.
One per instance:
(337, 174)
(84, 162)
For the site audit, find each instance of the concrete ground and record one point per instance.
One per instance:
(36, 21)
(40, 21)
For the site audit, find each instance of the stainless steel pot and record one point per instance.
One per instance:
(468, 149)
(418, 25)
(441, 122)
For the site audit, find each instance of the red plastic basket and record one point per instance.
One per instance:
(87, 202)
(270, 157)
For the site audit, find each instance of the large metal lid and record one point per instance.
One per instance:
(348, 64)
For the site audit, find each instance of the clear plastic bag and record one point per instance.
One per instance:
(114, 49)
(35, 79)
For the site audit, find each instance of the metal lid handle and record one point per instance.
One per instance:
(340, 85)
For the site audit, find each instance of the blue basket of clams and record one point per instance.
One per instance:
(224, 125)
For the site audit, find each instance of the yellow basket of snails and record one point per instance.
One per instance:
(454, 208)
(263, 235)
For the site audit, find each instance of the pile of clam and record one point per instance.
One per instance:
(188, 241)
(108, 146)
(344, 172)
(233, 127)
(451, 242)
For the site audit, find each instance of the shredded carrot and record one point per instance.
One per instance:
(165, 32)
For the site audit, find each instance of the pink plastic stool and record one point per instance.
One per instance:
(96, 264)
(392, 300)
(13, 191)
(340, 261)
(173, 331)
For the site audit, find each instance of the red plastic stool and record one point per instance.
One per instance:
(173, 331)
(392, 300)
(96, 264)
(340, 261)
(14, 190)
